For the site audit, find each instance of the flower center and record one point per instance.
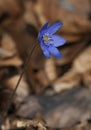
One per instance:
(46, 38)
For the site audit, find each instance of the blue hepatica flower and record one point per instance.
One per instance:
(49, 42)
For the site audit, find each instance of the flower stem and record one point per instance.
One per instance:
(18, 82)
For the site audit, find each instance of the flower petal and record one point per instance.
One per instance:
(42, 31)
(58, 41)
(54, 51)
(44, 27)
(46, 53)
(45, 50)
(53, 28)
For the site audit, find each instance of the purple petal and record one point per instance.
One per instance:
(45, 50)
(54, 51)
(44, 27)
(58, 41)
(46, 53)
(42, 31)
(53, 28)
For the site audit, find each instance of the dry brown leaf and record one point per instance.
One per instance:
(23, 88)
(29, 14)
(87, 79)
(42, 78)
(10, 6)
(50, 69)
(13, 61)
(68, 81)
(5, 54)
(8, 43)
(81, 65)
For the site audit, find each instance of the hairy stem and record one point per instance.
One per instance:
(18, 82)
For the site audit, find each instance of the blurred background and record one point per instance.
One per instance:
(55, 90)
